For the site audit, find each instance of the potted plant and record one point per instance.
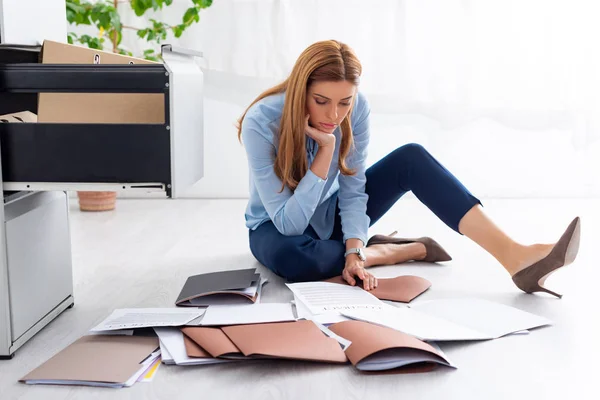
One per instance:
(104, 16)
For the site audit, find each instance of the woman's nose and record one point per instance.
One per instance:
(332, 114)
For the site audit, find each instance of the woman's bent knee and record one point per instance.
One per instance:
(411, 150)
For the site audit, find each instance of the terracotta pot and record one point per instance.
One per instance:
(97, 201)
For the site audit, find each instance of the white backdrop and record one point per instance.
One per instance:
(505, 93)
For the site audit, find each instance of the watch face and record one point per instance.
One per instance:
(361, 254)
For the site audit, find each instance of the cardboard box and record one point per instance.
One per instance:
(96, 107)
(23, 116)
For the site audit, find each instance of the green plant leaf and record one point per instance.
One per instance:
(92, 42)
(142, 33)
(119, 36)
(140, 6)
(104, 15)
(191, 14)
(203, 3)
(115, 19)
(124, 52)
(178, 30)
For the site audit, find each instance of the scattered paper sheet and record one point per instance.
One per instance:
(495, 319)
(144, 367)
(124, 332)
(302, 312)
(172, 340)
(166, 357)
(343, 342)
(149, 374)
(247, 314)
(132, 318)
(453, 319)
(417, 324)
(324, 297)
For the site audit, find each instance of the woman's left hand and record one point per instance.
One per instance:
(355, 268)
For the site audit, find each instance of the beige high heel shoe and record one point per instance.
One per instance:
(531, 279)
(434, 252)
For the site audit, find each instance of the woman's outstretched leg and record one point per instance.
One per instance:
(411, 167)
(513, 256)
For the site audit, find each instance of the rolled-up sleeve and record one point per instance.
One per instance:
(289, 211)
(352, 198)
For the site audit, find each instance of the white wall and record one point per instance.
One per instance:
(503, 94)
(491, 159)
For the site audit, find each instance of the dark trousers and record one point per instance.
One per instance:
(410, 167)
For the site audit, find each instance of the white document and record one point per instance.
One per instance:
(453, 319)
(326, 297)
(303, 312)
(495, 319)
(417, 324)
(342, 341)
(247, 314)
(131, 318)
(143, 368)
(124, 332)
(172, 340)
(167, 358)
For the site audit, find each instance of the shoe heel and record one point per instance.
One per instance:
(531, 278)
(543, 289)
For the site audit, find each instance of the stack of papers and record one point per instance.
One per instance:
(241, 286)
(134, 318)
(324, 302)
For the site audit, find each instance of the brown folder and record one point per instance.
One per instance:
(299, 340)
(401, 288)
(193, 349)
(96, 359)
(212, 340)
(376, 348)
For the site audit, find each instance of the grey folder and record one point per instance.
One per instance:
(202, 288)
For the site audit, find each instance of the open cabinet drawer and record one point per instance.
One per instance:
(165, 157)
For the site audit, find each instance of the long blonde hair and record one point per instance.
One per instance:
(327, 60)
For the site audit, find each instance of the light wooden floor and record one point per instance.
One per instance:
(141, 254)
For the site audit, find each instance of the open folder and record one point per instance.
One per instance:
(452, 319)
(298, 340)
(240, 286)
(372, 347)
(97, 360)
(401, 288)
(377, 348)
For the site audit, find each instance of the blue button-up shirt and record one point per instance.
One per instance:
(314, 200)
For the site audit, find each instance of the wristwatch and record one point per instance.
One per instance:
(357, 250)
